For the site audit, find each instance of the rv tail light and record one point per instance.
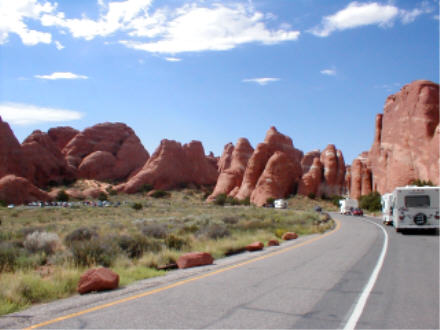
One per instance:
(401, 217)
(437, 215)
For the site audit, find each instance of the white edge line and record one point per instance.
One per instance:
(360, 305)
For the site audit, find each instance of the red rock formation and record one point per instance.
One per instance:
(308, 159)
(280, 175)
(194, 259)
(11, 155)
(45, 161)
(273, 242)
(98, 279)
(171, 165)
(289, 236)
(232, 168)
(62, 135)
(260, 189)
(334, 171)
(311, 181)
(18, 190)
(360, 177)
(407, 141)
(116, 139)
(256, 246)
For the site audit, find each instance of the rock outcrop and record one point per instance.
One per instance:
(334, 171)
(98, 279)
(108, 151)
(407, 138)
(311, 180)
(172, 165)
(62, 135)
(18, 190)
(232, 166)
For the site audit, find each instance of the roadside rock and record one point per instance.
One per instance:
(289, 236)
(273, 242)
(18, 190)
(256, 246)
(194, 259)
(98, 279)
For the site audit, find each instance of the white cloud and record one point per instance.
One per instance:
(13, 17)
(328, 72)
(26, 114)
(61, 75)
(358, 14)
(58, 45)
(173, 59)
(261, 81)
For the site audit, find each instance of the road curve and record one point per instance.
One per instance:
(315, 283)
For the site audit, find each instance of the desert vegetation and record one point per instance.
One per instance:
(43, 251)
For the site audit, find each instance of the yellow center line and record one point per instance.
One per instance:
(179, 283)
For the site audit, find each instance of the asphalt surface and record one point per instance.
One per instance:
(314, 283)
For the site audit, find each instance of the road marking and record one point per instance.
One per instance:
(179, 283)
(362, 301)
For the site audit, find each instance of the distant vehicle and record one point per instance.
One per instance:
(387, 209)
(280, 204)
(416, 208)
(11, 206)
(318, 208)
(347, 205)
(358, 212)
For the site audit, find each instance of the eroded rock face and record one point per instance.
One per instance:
(407, 141)
(308, 160)
(62, 135)
(360, 177)
(172, 165)
(116, 139)
(98, 279)
(18, 190)
(11, 155)
(334, 171)
(311, 181)
(232, 168)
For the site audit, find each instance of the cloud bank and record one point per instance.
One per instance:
(61, 75)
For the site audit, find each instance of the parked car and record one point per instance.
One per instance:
(358, 212)
(318, 208)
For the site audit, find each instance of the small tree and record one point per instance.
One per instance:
(102, 196)
(421, 183)
(370, 202)
(62, 196)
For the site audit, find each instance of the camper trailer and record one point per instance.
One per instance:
(415, 208)
(387, 210)
(347, 205)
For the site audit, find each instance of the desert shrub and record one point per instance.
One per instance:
(24, 232)
(335, 200)
(111, 191)
(155, 230)
(232, 201)
(421, 183)
(102, 196)
(192, 228)
(177, 243)
(230, 220)
(246, 201)
(3, 203)
(220, 199)
(135, 246)
(160, 194)
(311, 195)
(370, 202)
(79, 235)
(137, 206)
(270, 201)
(215, 231)
(146, 188)
(8, 257)
(279, 232)
(42, 242)
(62, 196)
(95, 252)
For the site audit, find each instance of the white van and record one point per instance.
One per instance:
(347, 205)
(387, 210)
(416, 208)
(280, 204)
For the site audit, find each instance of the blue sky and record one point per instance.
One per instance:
(214, 71)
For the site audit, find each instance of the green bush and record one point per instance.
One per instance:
(135, 246)
(335, 200)
(230, 220)
(102, 196)
(80, 235)
(159, 194)
(3, 203)
(220, 199)
(146, 188)
(62, 196)
(270, 201)
(216, 231)
(370, 202)
(174, 242)
(246, 201)
(421, 183)
(311, 195)
(42, 242)
(137, 206)
(8, 257)
(95, 252)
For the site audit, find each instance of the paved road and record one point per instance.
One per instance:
(314, 283)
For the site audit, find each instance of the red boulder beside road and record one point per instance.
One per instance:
(256, 246)
(98, 279)
(289, 236)
(194, 259)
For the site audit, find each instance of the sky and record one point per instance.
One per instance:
(214, 71)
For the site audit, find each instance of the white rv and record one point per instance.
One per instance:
(416, 208)
(280, 204)
(387, 210)
(347, 205)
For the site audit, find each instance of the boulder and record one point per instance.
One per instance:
(98, 279)
(232, 168)
(62, 135)
(407, 141)
(289, 236)
(116, 139)
(172, 165)
(273, 242)
(256, 246)
(194, 259)
(18, 190)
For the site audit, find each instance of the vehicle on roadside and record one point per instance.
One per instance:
(387, 210)
(416, 208)
(357, 212)
(280, 204)
(318, 208)
(347, 205)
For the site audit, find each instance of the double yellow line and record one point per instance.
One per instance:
(179, 283)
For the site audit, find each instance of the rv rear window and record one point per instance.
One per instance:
(417, 201)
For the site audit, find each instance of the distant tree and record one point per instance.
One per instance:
(370, 202)
(421, 183)
(62, 196)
